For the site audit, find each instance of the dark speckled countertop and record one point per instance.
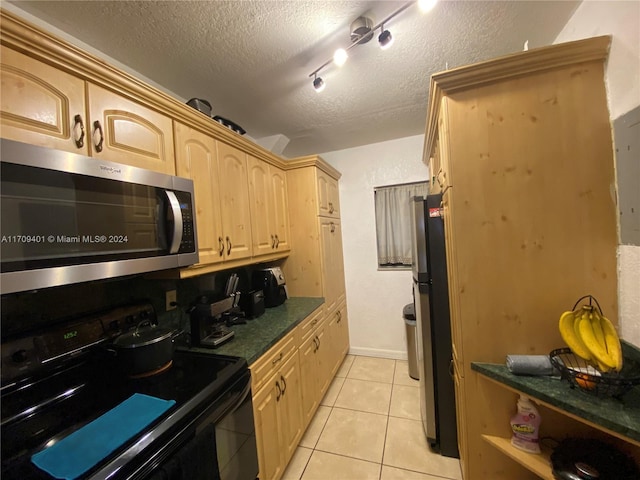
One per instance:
(620, 416)
(255, 337)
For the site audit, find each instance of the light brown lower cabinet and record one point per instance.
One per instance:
(315, 358)
(277, 409)
(289, 381)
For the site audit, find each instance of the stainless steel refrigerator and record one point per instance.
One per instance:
(431, 299)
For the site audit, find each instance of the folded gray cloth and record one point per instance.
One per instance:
(530, 365)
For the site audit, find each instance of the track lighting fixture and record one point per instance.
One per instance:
(361, 33)
(318, 84)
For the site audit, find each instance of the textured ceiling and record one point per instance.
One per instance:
(251, 59)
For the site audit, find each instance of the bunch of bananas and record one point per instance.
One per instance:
(592, 337)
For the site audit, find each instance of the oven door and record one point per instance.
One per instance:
(223, 446)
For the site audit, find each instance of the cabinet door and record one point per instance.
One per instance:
(452, 276)
(262, 214)
(339, 334)
(334, 198)
(265, 413)
(41, 105)
(234, 198)
(280, 204)
(309, 380)
(196, 158)
(329, 285)
(290, 407)
(328, 197)
(126, 132)
(332, 262)
(324, 358)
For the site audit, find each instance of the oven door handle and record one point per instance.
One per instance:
(176, 237)
(246, 391)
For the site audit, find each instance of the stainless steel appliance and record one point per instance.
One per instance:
(67, 218)
(431, 298)
(61, 381)
(272, 283)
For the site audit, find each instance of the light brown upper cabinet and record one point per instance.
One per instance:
(41, 105)
(45, 106)
(268, 197)
(234, 201)
(125, 132)
(328, 195)
(197, 159)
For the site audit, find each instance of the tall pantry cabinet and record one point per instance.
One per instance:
(521, 147)
(317, 269)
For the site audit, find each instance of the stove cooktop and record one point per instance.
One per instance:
(36, 412)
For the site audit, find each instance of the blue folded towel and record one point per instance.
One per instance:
(75, 454)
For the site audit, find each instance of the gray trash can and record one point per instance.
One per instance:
(409, 315)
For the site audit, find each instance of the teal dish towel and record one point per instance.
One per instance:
(75, 454)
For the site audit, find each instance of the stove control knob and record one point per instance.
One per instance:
(19, 356)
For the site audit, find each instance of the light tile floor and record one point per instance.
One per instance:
(368, 427)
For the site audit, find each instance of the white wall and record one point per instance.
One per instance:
(374, 298)
(622, 21)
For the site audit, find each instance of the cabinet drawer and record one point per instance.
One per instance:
(309, 324)
(272, 360)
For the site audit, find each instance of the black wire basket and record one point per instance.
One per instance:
(588, 378)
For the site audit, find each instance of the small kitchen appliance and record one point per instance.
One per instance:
(252, 303)
(209, 319)
(67, 218)
(271, 282)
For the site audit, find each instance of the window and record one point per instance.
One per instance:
(393, 222)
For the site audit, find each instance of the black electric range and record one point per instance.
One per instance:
(49, 393)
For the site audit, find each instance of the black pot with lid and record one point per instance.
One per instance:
(146, 350)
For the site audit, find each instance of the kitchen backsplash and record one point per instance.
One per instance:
(28, 311)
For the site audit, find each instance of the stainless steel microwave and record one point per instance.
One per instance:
(66, 218)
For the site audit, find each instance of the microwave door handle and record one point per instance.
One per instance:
(177, 222)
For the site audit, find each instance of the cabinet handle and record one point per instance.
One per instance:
(451, 368)
(221, 243)
(97, 128)
(314, 321)
(78, 126)
(277, 241)
(315, 343)
(318, 338)
(228, 246)
(333, 227)
(331, 207)
(284, 383)
(339, 315)
(279, 394)
(276, 360)
(273, 241)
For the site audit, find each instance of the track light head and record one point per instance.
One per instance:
(385, 39)
(340, 57)
(318, 84)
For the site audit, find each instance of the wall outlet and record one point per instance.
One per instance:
(170, 299)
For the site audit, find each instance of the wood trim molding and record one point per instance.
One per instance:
(313, 161)
(20, 35)
(509, 66)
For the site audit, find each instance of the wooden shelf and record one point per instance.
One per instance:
(538, 464)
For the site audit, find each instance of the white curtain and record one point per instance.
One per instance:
(393, 222)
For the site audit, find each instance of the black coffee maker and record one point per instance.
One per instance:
(271, 282)
(209, 318)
